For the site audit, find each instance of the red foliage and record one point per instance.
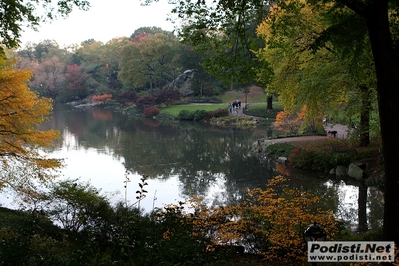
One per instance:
(102, 98)
(75, 77)
(151, 111)
(167, 96)
(145, 101)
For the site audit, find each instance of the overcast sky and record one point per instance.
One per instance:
(104, 21)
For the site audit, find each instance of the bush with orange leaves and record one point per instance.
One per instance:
(102, 98)
(269, 222)
(288, 123)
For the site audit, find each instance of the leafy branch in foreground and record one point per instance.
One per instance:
(22, 162)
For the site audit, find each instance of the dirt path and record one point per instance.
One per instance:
(341, 133)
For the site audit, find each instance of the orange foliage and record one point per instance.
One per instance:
(281, 169)
(274, 218)
(102, 98)
(21, 111)
(288, 123)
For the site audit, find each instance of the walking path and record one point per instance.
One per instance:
(340, 129)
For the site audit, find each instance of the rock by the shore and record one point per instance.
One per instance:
(341, 171)
(282, 160)
(355, 171)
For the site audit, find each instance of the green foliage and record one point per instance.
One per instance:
(216, 113)
(309, 160)
(225, 34)
(175, 109)
(192, 115)
(279, 149)
(186, 233)
(261, 111)
(314, 159)
(16, 13)
(76, 206)
(29, 238)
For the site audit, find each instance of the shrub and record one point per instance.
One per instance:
(102, 98)
(127, 97)
(167, 96)
(185, 115)
(309, 159)
(268, 222)
(196, 115)
(288, 123)
(279, 149)
(199, 115)
(216, 113)
(145, 101)
(151, 111)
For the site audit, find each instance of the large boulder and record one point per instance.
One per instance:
(341, 171)
(355, 171)
(183, 83)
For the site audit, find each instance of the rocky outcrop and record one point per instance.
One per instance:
(183, 83)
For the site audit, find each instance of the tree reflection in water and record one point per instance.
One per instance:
(199, 160)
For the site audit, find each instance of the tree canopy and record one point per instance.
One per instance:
(21, 111)
(380, 20)
(14, 14)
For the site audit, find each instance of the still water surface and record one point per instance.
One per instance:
(180, 160)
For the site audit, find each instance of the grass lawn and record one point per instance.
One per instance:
(260, 110)
(175, 109)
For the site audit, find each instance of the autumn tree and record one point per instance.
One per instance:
(289, 122)
(49, 77)
(300, 76)
(380, 31)
(22, 163)
(380, 19)
(75, 80)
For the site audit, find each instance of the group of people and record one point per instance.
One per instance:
(234, 106)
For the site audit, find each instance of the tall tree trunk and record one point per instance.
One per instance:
(365, 116)
(387, 72)
(269, 102)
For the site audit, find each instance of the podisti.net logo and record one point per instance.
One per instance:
(348, 251)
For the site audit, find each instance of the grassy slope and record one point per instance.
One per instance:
(256, 95)
(175, 109)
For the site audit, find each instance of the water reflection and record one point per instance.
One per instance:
(186, 159)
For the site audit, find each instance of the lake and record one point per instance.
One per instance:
(180, 160)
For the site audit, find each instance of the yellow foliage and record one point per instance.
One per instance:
(270, 221)
(21, 111)
(300, 75)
